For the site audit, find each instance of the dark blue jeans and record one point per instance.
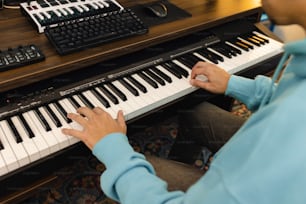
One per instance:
(208, 125)
(205, 125)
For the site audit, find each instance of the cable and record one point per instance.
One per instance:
(12, 4)
(11, 7)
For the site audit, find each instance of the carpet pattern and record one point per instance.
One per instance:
(80, 183)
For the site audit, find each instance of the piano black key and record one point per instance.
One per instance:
(223, 50)
(254, 41)
(205, 53)
(16, 134)
(142, 88)
(53, 117)
(108, 94)
(252, 36)
(129, 87)
(179, 69)
(42, 120)
(215, 55)
(85, 100)
(260, 37)
(230, 49)
(241, 45)
(233, 49)
(62, 111)
(172, 71)
(75, 104)
(148, 79)
(189, 60)
(161, 74)
(248, 44)
(1, 146)
(257, 38)
(101, 98)
(155, 77)
(26, 126)
(251, 41)
(116, 91)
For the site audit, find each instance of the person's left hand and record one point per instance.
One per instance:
(96, 125)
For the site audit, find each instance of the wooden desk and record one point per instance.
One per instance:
(16, 30)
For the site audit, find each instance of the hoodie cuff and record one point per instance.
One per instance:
(112, 148)
(240, 87)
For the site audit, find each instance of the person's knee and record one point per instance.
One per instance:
(179, 176)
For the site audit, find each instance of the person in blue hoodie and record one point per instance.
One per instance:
(264, 162)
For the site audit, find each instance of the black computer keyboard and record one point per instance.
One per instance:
(79, 34)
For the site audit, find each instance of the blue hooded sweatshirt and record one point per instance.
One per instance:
(263, 163)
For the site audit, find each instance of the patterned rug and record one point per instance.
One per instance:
(80, 183)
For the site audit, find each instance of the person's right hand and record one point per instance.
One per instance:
(217, 78)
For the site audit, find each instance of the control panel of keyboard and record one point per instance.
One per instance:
(20, 56)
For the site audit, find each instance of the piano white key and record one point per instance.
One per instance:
(143, 97)
(62, 139)
(79, 8)
(125, 106)
(180, 84)
(19, 151)
(27, 143)
(47, 135)
(69, 10)
(101, 4)
(186, 80)
(64, 11)
(260, 35)
(94, 5)
(132, 105)
(166, 91)
(40, 142)
(135, 102)
(78, 100)
(200, 77)
(155, 94)
(140, 100)
(105, 3)
(229, 63)
(48, 16)
(57, 12)
(72, 140)
(183, 86)
(114, 107)
(96, 102)
(183, 67)
(3, 167)
(84, 7)
(256, 55)
(202, 57)
(70, 109)
(7, 153)
(40, 16)
(92, 99)
(150, 90)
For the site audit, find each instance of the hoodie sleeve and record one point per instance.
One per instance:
(129, 177)
(251, 92)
